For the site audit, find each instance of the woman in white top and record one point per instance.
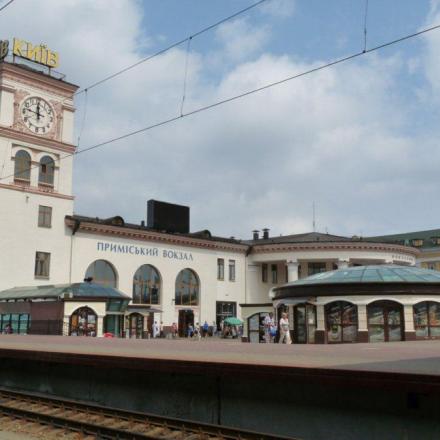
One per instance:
(284, 330)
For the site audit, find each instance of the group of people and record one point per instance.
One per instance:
(197, 331)
(271, 329)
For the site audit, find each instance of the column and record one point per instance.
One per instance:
(408, 322)
(362, 323)
(343, 263)
(292, 270)
(100, 326)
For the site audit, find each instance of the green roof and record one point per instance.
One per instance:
(75, 290)
(407, 238)
(386, 273)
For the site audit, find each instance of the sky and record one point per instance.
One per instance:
(359, 140)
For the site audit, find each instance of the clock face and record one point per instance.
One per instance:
(37, 115)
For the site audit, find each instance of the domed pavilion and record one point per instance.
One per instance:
(381, 303)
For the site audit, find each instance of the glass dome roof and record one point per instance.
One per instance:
(387, 273)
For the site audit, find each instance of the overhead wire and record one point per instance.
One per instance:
(365, 25)
(171, 46)
(249, 92)
(83, 121)
(6, 5)
(185, 75)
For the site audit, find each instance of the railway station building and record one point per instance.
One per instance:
(169, 273)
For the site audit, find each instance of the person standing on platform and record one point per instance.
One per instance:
(205, 329)
(161, 333)
(284, 330)
(269, 324)
(156, 329)
(197, 331)
(190, 331)
(174, 330)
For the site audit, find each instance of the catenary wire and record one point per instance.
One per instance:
(185, 75)
(244, 94)
(171, 46)
(83, 122)
(365, 25)
(6, 5)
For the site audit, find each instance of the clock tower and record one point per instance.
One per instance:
(36, 147)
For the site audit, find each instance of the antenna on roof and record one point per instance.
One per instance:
(314, 223)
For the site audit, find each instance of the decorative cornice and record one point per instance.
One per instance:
(36, 140)
(319, 246)
(137, 234)
(33, 190)
(37, 79)
(6, 88)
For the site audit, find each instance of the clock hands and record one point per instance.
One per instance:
(38, 112)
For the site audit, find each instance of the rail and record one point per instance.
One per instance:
(102, 422)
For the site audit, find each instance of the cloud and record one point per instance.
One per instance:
(279, 8)
(339, 137)
(240, 39)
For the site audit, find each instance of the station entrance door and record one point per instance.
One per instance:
(186, 318)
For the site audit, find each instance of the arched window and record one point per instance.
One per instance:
(22, 168)
(341, 322)
(187, 288)
(102, 273)
(146, 285)
(385, 321)
(427, 319)
(47, 170)
(83, 322)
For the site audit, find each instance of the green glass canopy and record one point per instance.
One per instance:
(386, 273)
(74, 290)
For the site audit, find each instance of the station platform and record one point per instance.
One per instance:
(312, 392)
(413, 363)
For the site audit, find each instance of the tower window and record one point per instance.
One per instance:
(44, 216)
(22, 168)
(47, 171)
(42, 264)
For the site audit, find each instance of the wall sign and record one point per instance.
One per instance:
(143, 251)
(38, 54)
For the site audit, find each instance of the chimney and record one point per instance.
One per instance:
(256, 234)
(266, 233)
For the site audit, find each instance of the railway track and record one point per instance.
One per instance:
(45, 416)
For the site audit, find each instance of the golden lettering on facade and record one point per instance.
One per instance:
(39, 54)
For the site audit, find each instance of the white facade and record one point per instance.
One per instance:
(74, 247)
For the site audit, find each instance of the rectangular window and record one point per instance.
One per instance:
(274, 272)
(44, 216)
(42, 264)
(264, 272)
(231, 270)
(316, 268)
(220, 269)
